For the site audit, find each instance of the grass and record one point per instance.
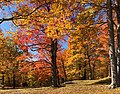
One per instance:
(78, 87)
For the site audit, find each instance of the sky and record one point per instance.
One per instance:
(5, 26)
(6, 12)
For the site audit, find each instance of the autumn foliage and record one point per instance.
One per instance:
(35, 53)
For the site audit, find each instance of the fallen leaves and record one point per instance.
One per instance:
(79, 87)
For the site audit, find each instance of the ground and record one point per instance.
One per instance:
(77, 87)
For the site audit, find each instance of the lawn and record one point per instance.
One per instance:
(78, 87)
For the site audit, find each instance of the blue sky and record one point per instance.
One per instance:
(6, 12)
(5, 26)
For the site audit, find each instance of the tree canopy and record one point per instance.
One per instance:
(34, 52)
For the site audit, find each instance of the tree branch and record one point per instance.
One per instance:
(23, 16)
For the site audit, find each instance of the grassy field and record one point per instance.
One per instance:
(78, 87)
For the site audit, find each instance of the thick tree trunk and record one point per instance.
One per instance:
(118, 41)
(54, 65)
(112, 47)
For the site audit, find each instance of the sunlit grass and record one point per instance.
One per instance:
(78, 87)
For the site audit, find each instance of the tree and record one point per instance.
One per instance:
(54, 23)
(45, 49)
(117, 8)
(8, 58)
(112, 47)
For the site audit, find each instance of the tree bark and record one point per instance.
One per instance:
(93, 72)
(107, 71)
(118, 40)
(85, 73)
(65, 75)
(112, 47)
(14, 81)
(3, 81)
(8, 81)
(54, 65)
(89, 64)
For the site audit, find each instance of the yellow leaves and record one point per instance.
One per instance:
(57, 23)
(9, 33)
(83, 1)
(27, 33)
(100, 1)
(21, 21)
(73, 71)
(56, 19)
(52, 33)
(91, 11)
(56, 7)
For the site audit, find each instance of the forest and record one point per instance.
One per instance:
(52, 42)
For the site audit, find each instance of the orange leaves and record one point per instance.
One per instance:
(56, 19)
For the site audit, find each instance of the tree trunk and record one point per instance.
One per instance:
(54, 65)
(3, 81)
(58, 78)
(65, 75)
(112, 47)
(8, 81)
(79, 68)
(14, 81)
(118, 41)
(85, 73)
(93, 72)
(90, 69)
(107, 71)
